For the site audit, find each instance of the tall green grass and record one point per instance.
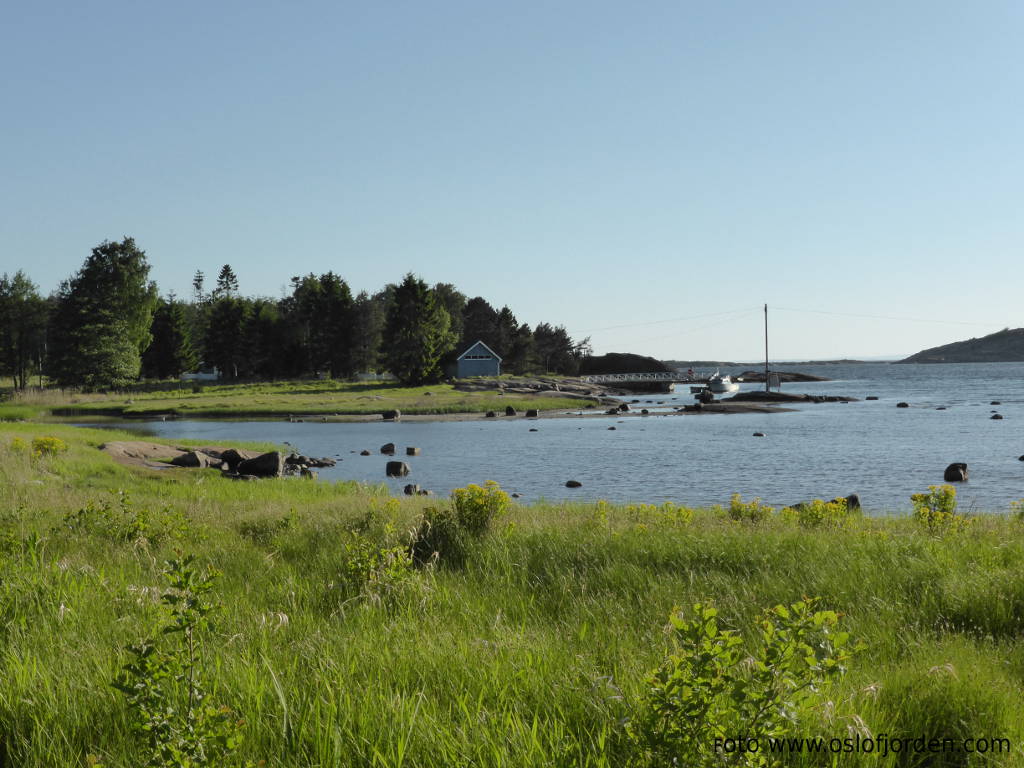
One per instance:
(532, 653)
(264, 400)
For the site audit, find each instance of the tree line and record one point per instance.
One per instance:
(107, 326)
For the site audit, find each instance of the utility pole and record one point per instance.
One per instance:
(767, 378)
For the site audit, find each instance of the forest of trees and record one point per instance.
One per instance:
(107, 326)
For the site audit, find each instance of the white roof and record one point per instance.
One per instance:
(494, 354)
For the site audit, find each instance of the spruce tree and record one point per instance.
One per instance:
(417, 333)
(170, 353)
(101, 320)
(22, 328)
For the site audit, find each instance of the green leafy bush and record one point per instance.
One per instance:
(380, 574)
(48, 446)
(820, 514)
(446, 533)
(666, 514)
(752, 511)
(167, 699)
(711, 689)
(476, 507)
(936, 510)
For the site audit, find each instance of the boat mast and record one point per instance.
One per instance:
(767, 379)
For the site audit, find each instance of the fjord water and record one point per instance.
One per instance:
(873, 448)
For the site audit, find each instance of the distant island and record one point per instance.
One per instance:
(1005, 346)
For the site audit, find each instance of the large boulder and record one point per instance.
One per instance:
(265, 465)
(388, 449)
(532, 413)
(232, 458)
(510, 411)
(192, 459)
(396, 469)
(852, 501)
(955, 473)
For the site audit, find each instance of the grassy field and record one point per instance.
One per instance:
(274, 399)
(535, 650)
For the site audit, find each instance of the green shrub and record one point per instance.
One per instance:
(751, 511)
(711, 690)
(48, 446)
(936, 510)
(666, 514)
(446, 533)
(476, 507)
(167, 698)
(380, 574)
(820, 514)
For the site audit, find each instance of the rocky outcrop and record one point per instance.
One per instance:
(265, 465)
(194, 459)
(233, 457)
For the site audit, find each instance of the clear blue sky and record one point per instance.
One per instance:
(592, 164)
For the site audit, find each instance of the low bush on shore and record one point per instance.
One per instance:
(566, 635)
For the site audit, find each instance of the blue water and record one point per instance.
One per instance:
(881, 452)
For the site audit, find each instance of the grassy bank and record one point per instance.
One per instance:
(534, 650)
(277, 399)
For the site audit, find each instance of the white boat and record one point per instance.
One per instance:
(722, 385)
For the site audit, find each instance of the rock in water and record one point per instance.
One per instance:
(573, 484)
(955, 473)
(411, 451)
(397, 469)
(388, 449)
